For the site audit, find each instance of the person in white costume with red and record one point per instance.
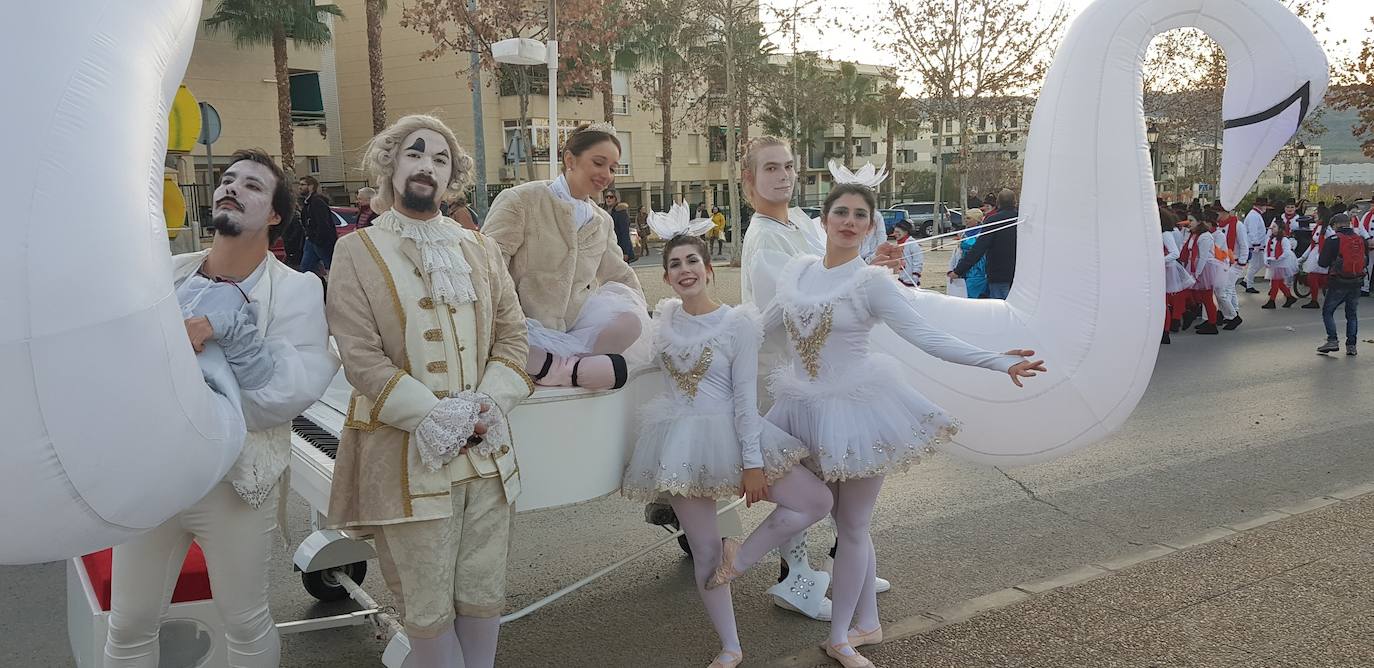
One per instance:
(269, 321)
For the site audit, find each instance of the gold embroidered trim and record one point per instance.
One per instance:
(426, 303)
(390, 281)
(386, 393)
(441, 394)
(433, 335)
(529, 382)
(426, 496)
(406, 506)
(809, 347)
(437, 367)
(688, 381)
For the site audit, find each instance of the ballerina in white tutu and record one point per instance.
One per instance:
(1282, 263)
(704, 440)
(860, 419)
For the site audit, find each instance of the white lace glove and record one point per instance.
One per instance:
(445, 431)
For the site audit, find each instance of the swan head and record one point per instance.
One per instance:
(1277, 73)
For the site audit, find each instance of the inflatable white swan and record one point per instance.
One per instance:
(1089, 289)
(109, 428)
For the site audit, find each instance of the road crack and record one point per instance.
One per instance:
(1030, 494)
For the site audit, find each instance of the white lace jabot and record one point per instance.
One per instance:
(583, 210)
(450, 276)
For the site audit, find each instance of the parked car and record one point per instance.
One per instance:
(922, 217)
(345, 221)
(812, 212)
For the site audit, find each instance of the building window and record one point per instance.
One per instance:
(314, 165)
(539, 127)
(620, 93)
(949, 141)
(625, 153)
(307, 105)
(507, 78)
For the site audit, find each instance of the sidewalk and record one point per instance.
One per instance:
(1291, 588)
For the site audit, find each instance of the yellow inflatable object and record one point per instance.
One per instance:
(173, 205)
(183, 122)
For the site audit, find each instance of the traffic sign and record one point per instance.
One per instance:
(209, 125)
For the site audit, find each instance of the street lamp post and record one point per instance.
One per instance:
(1152, 136)
(524, 51)
(1301, 151)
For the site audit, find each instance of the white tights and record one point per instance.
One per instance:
(473, 638)
(697, 517)
(855, 600)
(802, 500)
(237, 542)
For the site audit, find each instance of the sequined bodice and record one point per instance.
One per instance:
(695, 354)
(826, 319)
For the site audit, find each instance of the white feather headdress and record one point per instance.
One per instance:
(678, 221)
(866, 176)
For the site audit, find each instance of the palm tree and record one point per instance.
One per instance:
(665, 46)
(896, 113)
(258, 22)
(375, 9)
(855, 91)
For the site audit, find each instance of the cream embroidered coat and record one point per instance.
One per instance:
(402, 352)
(555, 266)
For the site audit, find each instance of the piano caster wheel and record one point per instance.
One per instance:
(681, 540)
(325, 587)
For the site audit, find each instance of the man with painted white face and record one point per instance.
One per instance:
(776, 235)
(433, 341)
(268, 321)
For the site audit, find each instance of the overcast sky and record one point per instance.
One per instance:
(1352, 14)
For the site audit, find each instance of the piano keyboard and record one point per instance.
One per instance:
(314, 435)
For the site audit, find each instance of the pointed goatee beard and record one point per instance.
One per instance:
(417, 202)
(222, 223)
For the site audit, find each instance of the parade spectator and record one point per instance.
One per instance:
(1344, 256)
(998, 243)
(365, 212)
(716, 236)
(463, 214)
(642, 226)
(317, 223)
(1256, 231)
(620, 221)
(912, 254)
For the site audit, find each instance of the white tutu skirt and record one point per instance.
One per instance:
(687, 451)
(604, 304)
(863, 421)
(1176, 277)
(1212, 274)
(1282, 268)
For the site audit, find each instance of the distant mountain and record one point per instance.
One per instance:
(1339, 144)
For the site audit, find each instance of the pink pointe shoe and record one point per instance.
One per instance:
(851, 660)
(727, 659)
(725, 572)
(859, 638)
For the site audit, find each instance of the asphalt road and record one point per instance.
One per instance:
(1230, 426)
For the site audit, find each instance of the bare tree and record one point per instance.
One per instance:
(972, 56)
(463, 28)
(1355, 90)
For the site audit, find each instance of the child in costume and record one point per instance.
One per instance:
(1177, 280)
(1282, 262)
(704, 440)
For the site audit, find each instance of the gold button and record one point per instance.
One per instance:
(462, 348)
(426, 302)
(467, 387)
(505, 449)
(452, 310)
(417, 272)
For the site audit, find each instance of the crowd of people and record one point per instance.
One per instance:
(1210, 252)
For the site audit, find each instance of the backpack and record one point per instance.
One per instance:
(1350, 260)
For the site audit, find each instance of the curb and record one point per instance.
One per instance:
(927, 621)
